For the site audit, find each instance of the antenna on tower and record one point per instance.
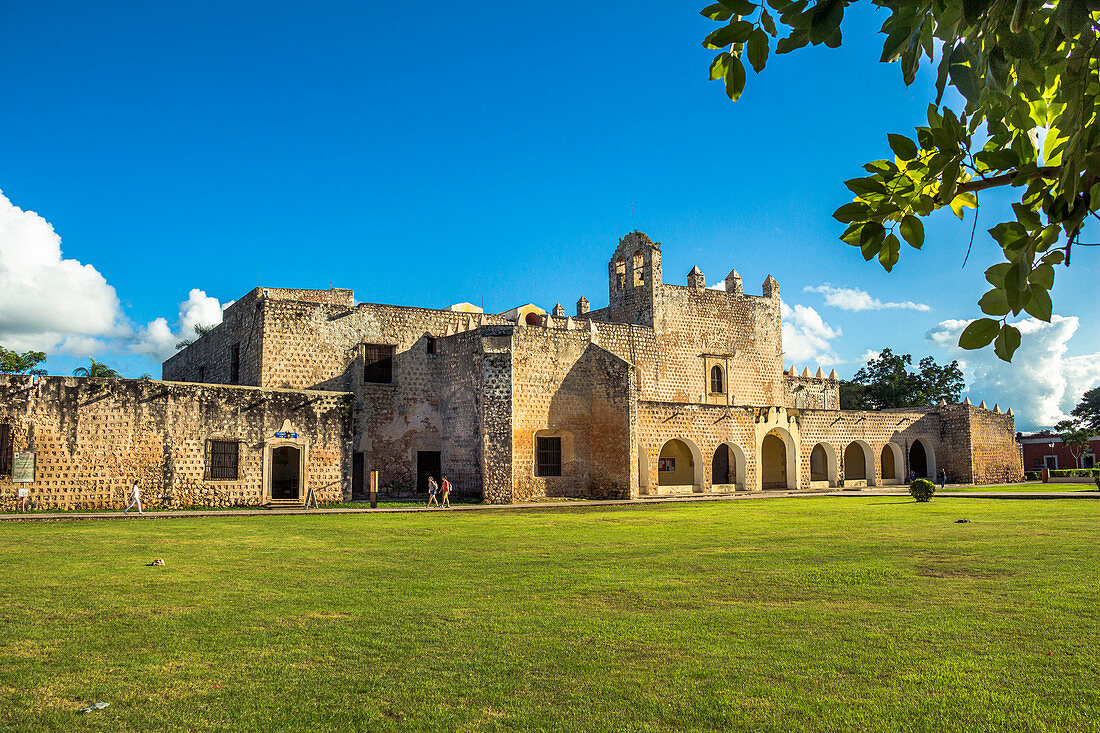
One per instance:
(258, 271)
(633, 224)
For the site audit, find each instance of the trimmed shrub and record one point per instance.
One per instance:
(922, 489)
(1033, 476)
(1075, 473)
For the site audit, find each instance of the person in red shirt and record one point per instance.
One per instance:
(446, 493)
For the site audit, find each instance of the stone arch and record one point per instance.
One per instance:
(891, 463)
(859, 464)
(680, 464)
(728, 466)
(823, 464)
(620, 272)
(639, 265)
(922, 456)
(778, 460)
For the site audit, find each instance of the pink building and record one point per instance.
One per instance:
(1045, 450)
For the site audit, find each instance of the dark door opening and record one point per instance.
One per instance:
(358, 474)
(285, 470)
(918, 460)
(427, 464)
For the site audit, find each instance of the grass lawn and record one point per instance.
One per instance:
(1037, 487)
(861, 614)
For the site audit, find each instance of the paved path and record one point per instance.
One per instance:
(541, 505)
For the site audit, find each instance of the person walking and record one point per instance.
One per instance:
(943, 479)
(446, 493)
(433, 487)
(135, 500)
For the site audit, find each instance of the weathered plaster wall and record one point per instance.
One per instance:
(94, 437)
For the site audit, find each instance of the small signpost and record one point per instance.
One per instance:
(286, 435)
(374, 489)
(23, 467)
(24, 494)
(311, 496)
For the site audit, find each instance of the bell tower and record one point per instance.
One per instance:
(634, 278)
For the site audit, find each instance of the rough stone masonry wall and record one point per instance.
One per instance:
(209, 358)
(94, 437)
(460, 387)
(565, 385)
(993, 448)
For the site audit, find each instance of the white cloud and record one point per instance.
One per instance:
(868, 355)
(720, 285)
(806, 337)
(1041, 384)
(854, 299)
(157, 340)
(46, 300)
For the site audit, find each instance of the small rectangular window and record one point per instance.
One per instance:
(548, 456)
(378, 363)
(235, 364)
(5, 450)
(222, 460)
(430, 346)
(202, 374)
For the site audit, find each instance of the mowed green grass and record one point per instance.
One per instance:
(1010, 488)
(819, 614)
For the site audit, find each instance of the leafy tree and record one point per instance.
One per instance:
(1022, 67)
(1075, 437)
(96, 369)
(886, 382)
(1088, 409)
(12, 362)
(201, 329)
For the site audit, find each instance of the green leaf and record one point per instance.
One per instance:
(912, 229)
(1038, 303)
(895, 41)
(735, 79)
(891, 250)
(825, 20)
(996, 274)
(979, 333)
(720, 66)
(994, 303)
(735, 32)
(862, 186)
(741, 7)
(848, 213)
(902, 146)
(767, 22)
(757, 50)
(1043, 276)
(716, 12)
(1007, 342)
(963, 201)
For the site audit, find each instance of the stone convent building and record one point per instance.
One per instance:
(668, 389)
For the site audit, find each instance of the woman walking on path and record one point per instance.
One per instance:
(446, 493)
(135, 500)
(433, 487)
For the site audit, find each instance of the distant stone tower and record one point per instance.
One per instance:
(634, 278)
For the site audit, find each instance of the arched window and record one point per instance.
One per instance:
(717, 383)
(531, 319)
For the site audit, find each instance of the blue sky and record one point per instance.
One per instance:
(487, 152)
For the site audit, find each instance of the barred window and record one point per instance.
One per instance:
(548, 456)
(222, 459)
(717, 383)
(377, 363)
(5, 450)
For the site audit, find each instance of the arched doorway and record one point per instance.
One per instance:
(859, 464)
(778, 462)
(727, 468)
(891, 463)
(922, 459)
(680, 466)
(286, 472)
(823, 465)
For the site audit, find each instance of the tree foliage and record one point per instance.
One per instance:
(12, 362)
(1088, 409)
(887, 382)
(1022, 67)
(201, 329)
(96, 369)
(1076, 437)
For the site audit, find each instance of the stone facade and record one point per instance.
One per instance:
(667, 389)
(92, 438)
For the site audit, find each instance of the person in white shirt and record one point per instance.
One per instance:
(135, 500)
